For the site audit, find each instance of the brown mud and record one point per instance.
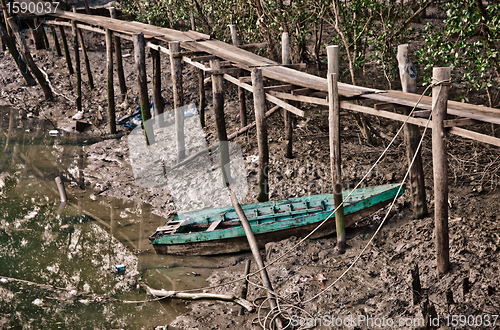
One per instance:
(379, 284)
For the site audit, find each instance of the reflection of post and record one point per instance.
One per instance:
(259, 99)
(241, 90)
(111, 87)
(140, 62)
(62, 191)
(408, 75)
(289, 118)
(218, 100)
(176, 66)
(335, 157)
(439, 108)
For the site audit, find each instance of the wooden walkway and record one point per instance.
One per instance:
(195, 43)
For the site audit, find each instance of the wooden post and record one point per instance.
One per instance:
(5, 17)
(66, 49)
(111, 88)
(254, 247)
(408, 75)
(78, 100)
(193, 21)
(85, 56)
(176, 75)
(244, 288)
(140, 62)
(441, 76)
(87, 8)
(259, 99)
(47, 91)
(203, 101)
(11, 46)
(157, 99)
(241, 90)
(37, 35)
(218, 101)
(335, 154)
(119, 59)
(56, 42)
(289, 117)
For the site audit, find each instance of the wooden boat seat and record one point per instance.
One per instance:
(170, 227)
(214, 225)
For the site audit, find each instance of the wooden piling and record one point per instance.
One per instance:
(40, 77)
(412, 136)
(66, 49)
(157, 99)
(218, 103)
(335, 154)
(119, 59)
(37, 35)
(5, 17)
(289, 117)
(78, 99)
(202, 103)
(85, 55)
(259, 99)
(56, 41)
(11, 46)
(244, 288)
(440, 77)
(241, 90)
(140, 62)
(176, 75)
(193, 21)
(110, 85)
(87, 8)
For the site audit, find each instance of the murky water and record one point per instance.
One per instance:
(59, 248)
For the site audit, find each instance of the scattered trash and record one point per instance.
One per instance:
(196, 274)
(120, 268)
(4, 280)
(38, 302)
(73, 293)
(78, 115)
(126, 55)
(252, 158)
(53, 132)
(84, 301)
(135, 119)
(320, 278)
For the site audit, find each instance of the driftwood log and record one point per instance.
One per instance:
(202, 296)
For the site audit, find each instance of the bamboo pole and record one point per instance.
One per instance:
(44, 84)
(157, 99)
(11, 46)
(289, 117)
(140, 62)
(335, 153)
(56, 41)
(119, 59)
(408, 75)
(218, 102)
(439, 108)
(66, 49)
(110, 85)
(254, 247)
(202, 98)
(241, 90)
(78, 99)
(85, 55)
(259, 98)
(176, 75)
(5, 17)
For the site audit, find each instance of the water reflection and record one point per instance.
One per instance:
(75, 246)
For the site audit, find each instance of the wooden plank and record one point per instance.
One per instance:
(279, 88)
(302, 91)
(214, 225)
(475, 136)
(460, 122)
(300, 98)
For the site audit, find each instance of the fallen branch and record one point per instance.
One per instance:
(199, 296)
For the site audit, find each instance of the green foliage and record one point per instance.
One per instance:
(466, 42)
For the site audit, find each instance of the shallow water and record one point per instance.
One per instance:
(76, 246)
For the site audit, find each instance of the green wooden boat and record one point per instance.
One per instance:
(219, 231)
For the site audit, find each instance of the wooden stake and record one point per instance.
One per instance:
(259, 99)
(5, 17)
(85, 56)
(140, 62)
(244, 288)
(335, 154)
(408, 75)
(416, 287)
(241, 90)
(193, 21)
(111, 88)
(56, 42)
(218, 101)
(176, 75)
(29, 60)
(66, 49)
(11, 46)
(439, 108)
(119, 59)
(289, 117)
(157, 99)
(202, 101)
(87, 8)
(37, 35)
(253, 244)
(78, 99)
